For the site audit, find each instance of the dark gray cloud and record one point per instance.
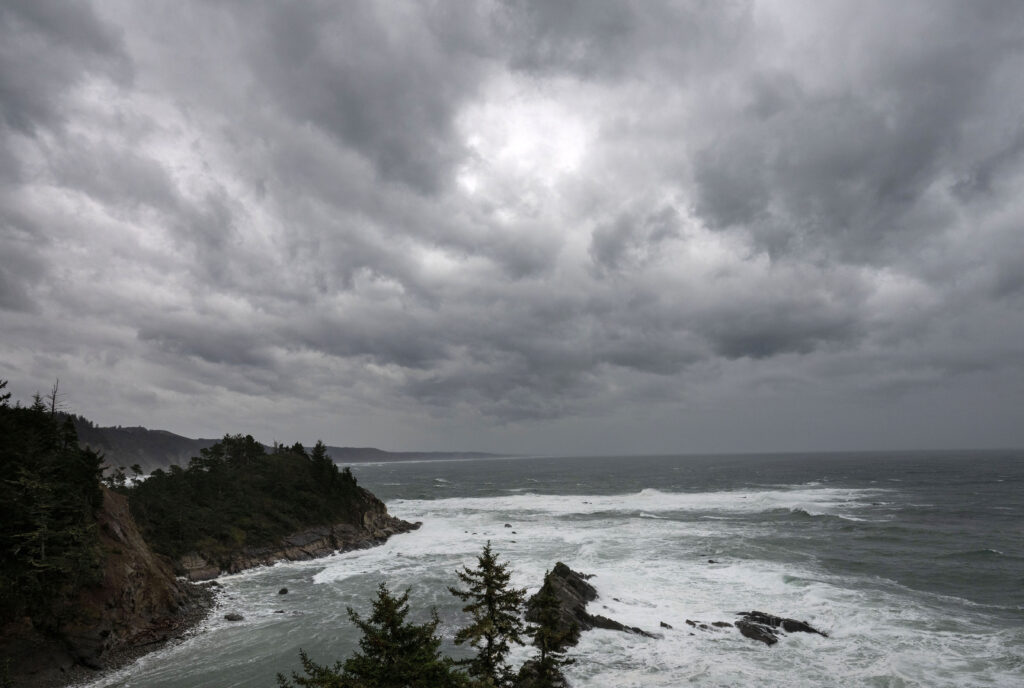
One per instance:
(524, 226)
(50, 46)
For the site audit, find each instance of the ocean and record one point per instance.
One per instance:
(913, 563)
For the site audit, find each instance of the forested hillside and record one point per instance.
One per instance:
(152, 449)
(128, 446)
(237, 495)
(49, 496)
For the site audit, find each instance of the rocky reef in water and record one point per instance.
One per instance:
(574, 590)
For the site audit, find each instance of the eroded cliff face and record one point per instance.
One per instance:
(137, 604)
(372, 526)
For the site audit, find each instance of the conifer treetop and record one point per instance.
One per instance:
(496, 622)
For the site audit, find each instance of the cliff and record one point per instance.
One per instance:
(137, 604)
(373, 527)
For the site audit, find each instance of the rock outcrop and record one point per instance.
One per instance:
(530, 677)
(573, 593)
(765, 627)
(374, 528)
(137, 605)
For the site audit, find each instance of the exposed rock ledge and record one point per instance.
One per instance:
(135, 607)
(573, 592)
(376, 527)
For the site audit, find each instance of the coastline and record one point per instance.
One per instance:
(312, 543)
(201, 598)
(178, 630)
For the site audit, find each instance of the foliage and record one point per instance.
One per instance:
(49, 496)
(549, 637)
(495, 609)
(235, 495)
(393, 653)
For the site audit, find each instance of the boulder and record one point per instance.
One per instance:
(765, 627)
(757, 632)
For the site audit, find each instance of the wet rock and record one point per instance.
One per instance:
(765, 627)
(374, 527)
(282, 591)
(529, 677)
(712, 561)
(233, 616)
(573, 593)
(664, 625)
(508, 525)
(757, 632)
(707, 627)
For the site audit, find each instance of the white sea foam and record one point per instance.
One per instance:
(814, 501)
(647, 572)
(649, 552)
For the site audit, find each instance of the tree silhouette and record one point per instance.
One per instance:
(550, 639)
(495, 608)
(393, 653)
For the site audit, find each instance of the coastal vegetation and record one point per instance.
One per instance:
(72, 524)
(393, 653)
(88, 548)
(236, 494)
(396, 654)
(496, 612)
(50, 495)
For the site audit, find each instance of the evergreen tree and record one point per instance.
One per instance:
(496, 622)
(317, 676)
(392, 653)
(49, 496)
(236, 495)
(550, 638)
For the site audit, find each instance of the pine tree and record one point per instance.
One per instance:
(550, 639)
(317, 676)
(495, 609)
(392, 653)
(49, 496)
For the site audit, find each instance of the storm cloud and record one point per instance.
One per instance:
(519, 226)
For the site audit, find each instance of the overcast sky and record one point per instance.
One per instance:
(532, 227)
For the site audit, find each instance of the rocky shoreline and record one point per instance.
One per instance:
(136, 606)
(376, 527)
(177, 630)
(141, 605)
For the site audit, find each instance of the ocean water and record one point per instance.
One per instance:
(912, 562)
